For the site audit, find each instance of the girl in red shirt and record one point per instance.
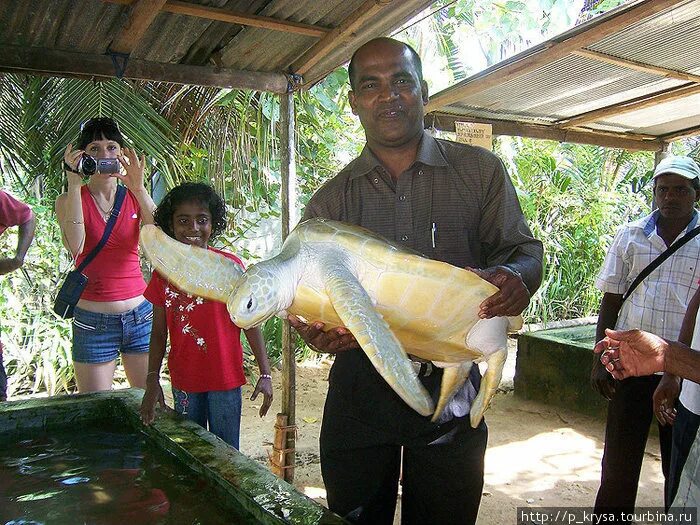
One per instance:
(206, 357)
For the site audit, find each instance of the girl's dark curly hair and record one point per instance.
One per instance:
(191, 192)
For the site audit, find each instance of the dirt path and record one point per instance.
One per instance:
(537, 455)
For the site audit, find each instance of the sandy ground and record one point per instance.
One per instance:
(537, 455)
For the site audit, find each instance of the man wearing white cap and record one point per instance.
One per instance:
(655, 303)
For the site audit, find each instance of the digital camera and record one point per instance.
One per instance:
(88, 165)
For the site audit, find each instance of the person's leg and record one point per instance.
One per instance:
(94, 377)
(361, 484)
(362, 431)
(192, 406)
(443, 480)
(684, 430)
(665, 447)
(136, 326)
(3, 378)
(96, 340)
(136, 368)
(627, 428)
(224, 408)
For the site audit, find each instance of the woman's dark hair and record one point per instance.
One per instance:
(191, 192)
(99, 128)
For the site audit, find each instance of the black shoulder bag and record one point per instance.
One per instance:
(653, 265)
(75, 281)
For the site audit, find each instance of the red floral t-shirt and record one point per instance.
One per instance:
(205, 345)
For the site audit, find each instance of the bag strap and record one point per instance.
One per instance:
(653, 265)
(118, 200)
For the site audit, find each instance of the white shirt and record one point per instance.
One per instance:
(690, 391)
(659, 303)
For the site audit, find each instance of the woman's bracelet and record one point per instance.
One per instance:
(152, 374)
(73, 221)
(266, 376)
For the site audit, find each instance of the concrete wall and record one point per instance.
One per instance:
(553, 366)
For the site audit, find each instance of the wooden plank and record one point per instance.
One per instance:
(236, 17)
(264, 22)
(547, 52)
(446, 122)
(288, 174)
(28, 60)
(631, 105)
(688, 132)
(140, 18)
(339, 36)
(638, 66)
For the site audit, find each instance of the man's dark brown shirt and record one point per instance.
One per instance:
(455, 204)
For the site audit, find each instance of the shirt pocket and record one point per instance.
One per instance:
(450, 243)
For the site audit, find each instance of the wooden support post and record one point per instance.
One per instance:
(288, 172)
(659, 155)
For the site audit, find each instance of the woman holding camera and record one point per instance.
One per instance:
(112, 316)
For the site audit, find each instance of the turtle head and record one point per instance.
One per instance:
(256, 297)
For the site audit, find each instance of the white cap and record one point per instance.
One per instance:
(678, 165)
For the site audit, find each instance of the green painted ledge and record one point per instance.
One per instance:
(234, 476)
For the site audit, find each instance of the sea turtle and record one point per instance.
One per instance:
(393, 300)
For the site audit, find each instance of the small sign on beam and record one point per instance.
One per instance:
(475, 134)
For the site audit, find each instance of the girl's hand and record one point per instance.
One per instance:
(152, 397)
(134, 168)
(263, 385)
(72, 157)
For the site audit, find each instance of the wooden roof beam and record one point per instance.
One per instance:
(234, 17)
(21, 59)
(638, 66)
(446, 122)
(142, 15)
(688, 132)
(546, 53)
(338, 36)
(631, 105)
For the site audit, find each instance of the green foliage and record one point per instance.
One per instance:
(328, 135)
(39, 116)
(575, 199)
(37, 343)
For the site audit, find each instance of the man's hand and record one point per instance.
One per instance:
(665, 397)
(511, 298)
(330, 342)
(631, 353)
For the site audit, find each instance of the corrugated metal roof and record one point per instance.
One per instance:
(166, 40)
(606, 80)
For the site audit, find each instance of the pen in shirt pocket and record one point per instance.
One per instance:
(433, 231)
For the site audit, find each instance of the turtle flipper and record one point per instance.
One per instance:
(192, 269)
(489, 385)
(490, 337)
(453, 377)
(354, 307)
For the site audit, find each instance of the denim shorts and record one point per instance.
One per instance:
(219, 411)
(99, 338)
